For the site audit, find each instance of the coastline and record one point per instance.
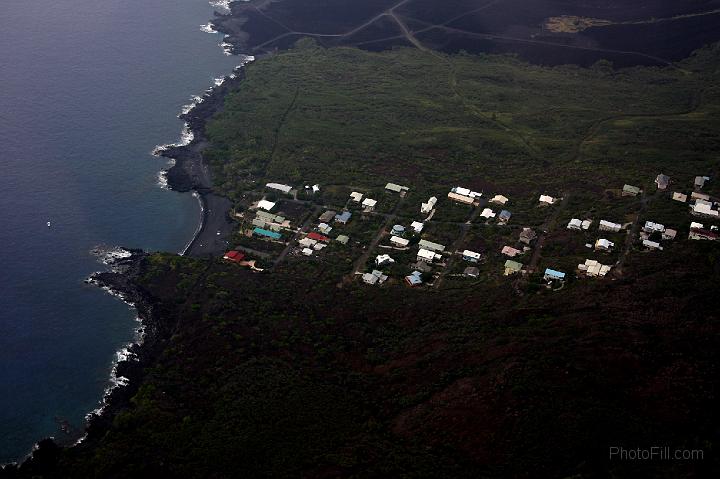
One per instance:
(189, 173)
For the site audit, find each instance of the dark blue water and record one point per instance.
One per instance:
(87, 89)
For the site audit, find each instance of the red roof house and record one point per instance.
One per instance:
(317, 237)
(234, 256)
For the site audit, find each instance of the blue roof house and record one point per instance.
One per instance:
(267, 234)
(551, 275)
(343, 217)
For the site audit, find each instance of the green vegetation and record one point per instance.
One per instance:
(303, 372)
(359, 119)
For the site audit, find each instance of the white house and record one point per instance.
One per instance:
(499, 200)
(427, 255)
(383, 259)
(369, 204)
(703, 208)
(417, 226)
(574, 224)
(396, 188)
(376, 277)
(651, 227)
(307, 251)
(265, 205)
(426, 208)
(307, 242)
(487, 213)
(547, 200)
(471, 256)
(399, 242)
(279, 187)
(356, 196)
(431, 246)
(609, 226)
(594, 268)
(653, 245)
(461, 198)
(604, 245)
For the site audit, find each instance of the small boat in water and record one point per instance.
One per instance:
(48, 223)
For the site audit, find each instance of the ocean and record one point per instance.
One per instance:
(87, 89)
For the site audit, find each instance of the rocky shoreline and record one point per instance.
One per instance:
(122, 282)
(190, 173)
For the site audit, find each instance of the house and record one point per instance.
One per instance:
(398, 230)
(261, 223)
(574, 224)
(317, 237)
(315, 188)
(319, 246)
(414, 278)
(343, 217)
(512, 267)
(651, 227)
(504, 216)
(527, 236)
(604, 245)
(324, 228)
(369, 204)
(356, 197)
(552, 275)
(307, 242)
(383, 260)
(327, 216)
(376, 277)
(279, 187)
(426, 208)
(342, 239)
(652, 245)
(510, 251)
(697, 232)
(431, 246)
(266, 205)
(396, 188)
(609, 226)
(427, 255)
(662, 181)
(417, 226)
(630, 190)
(704, 208)
(461, 198)
(593, 268)
(307, 251)
(586, 224)
(487, 213)
(235, 256)
(699, 196)
(669, 234)
(471, 256)
(471, 272)
(459, 190)
(700, 181)
(547, 200)
(267, 234)
(270, 217)
(499, 200)
(399, 242)
(679, 197)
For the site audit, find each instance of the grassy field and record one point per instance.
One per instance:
(357, 120)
